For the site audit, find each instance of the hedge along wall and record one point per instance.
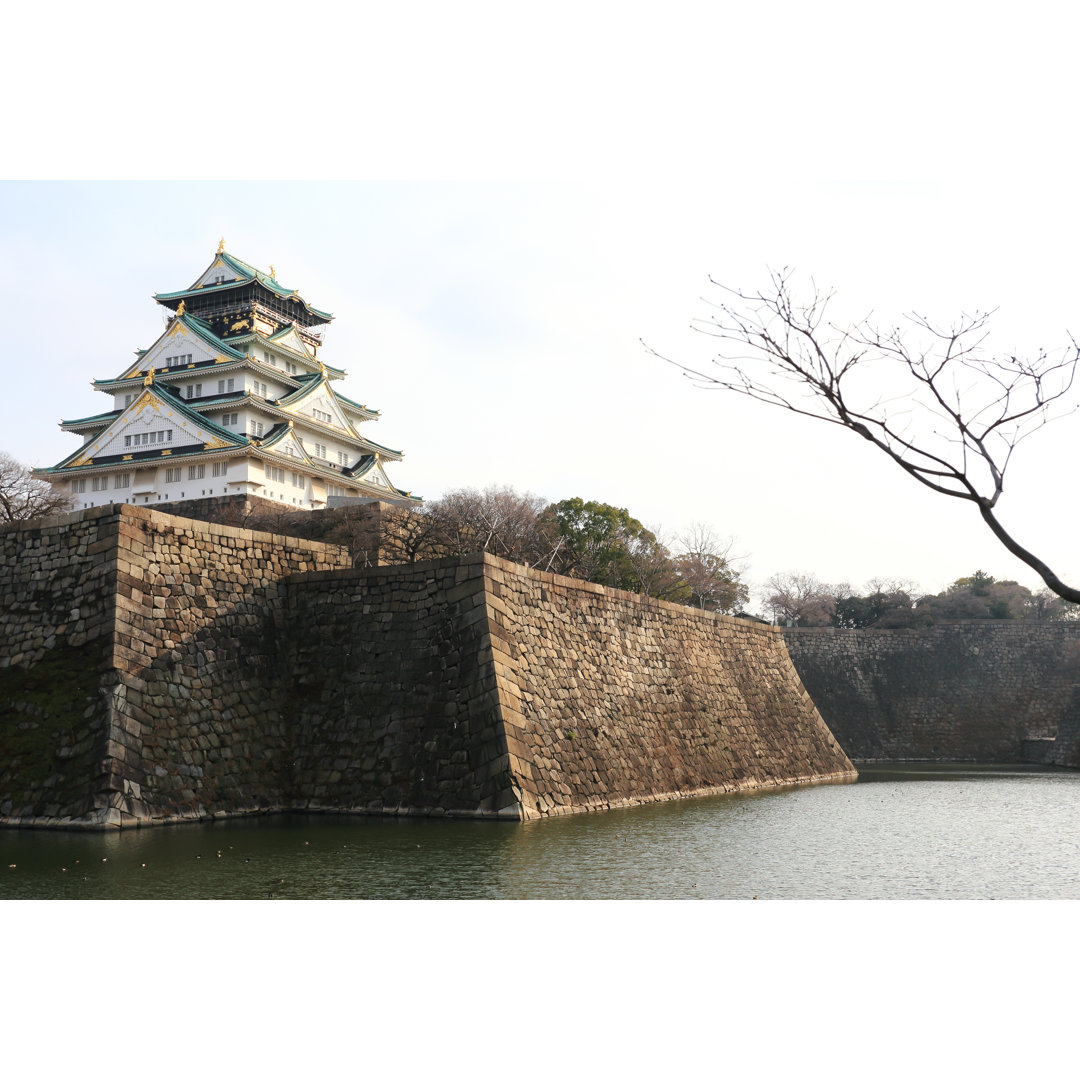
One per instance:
(976, 691)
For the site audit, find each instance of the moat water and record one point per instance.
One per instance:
(902, 832)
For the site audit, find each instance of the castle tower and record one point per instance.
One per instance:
(232, 399)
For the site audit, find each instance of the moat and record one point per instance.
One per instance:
(902, 832)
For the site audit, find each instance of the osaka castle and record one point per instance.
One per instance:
(233, 398)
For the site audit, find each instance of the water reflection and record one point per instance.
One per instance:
(903, 832)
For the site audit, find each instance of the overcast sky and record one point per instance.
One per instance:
(509, 222)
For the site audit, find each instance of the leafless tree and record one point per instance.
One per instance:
(949, 413)
(653, 571)
(500, 520)
(706, 566)
(24, 496)
(800, 598)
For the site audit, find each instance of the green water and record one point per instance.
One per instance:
(902, 832)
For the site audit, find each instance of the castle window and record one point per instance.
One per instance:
(147, 438)
(230, 419)
(290, 367)
(225, 386)
(334, 489)
(196, 472)
(194, 390)
(274, 473)
(256, 427)
(220, 468)
(325, 417)
(178, 361)
(122, 480)
(78, 485)
(127, 399)
(99, 483)
(172, 476)
(343, 459)
(320, 450)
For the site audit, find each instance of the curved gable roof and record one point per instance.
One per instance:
(245, 274)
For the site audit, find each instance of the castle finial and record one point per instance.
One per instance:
(181, 309)
(221, 245)
(149, 380)
(272, 274)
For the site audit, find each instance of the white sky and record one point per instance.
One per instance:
(514, 206)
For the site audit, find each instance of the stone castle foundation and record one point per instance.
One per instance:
(157, 669)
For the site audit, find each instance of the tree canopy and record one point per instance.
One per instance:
(583, 538)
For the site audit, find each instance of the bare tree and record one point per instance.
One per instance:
(652, 570)
(24, 496)
(705, 564)
(947, 412)
(800, 599)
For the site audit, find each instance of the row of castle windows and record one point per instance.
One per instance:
(145, 438)
(196, 472)
(271, 359)
(101, 483)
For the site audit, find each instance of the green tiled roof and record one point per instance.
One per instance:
(100, 418)
(247, 273)
(166, 397)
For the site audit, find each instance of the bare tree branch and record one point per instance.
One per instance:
(949, 414)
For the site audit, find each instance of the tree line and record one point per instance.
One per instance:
(799, 599)
(598, 542)
(580, 538)
(586, 539)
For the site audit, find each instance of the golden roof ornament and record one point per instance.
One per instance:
(149, 380)
(221, 245)
(272, 274)
(181, 309)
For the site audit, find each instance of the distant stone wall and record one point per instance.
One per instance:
(987, 690)
(157, 669)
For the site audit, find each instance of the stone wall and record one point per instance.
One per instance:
(57, 621)
(611, 699)
(987, 690)
(159, 669)
(155, 698)
(477, 686)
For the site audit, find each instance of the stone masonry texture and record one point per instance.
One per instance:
(156, 668)
(986, 690)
